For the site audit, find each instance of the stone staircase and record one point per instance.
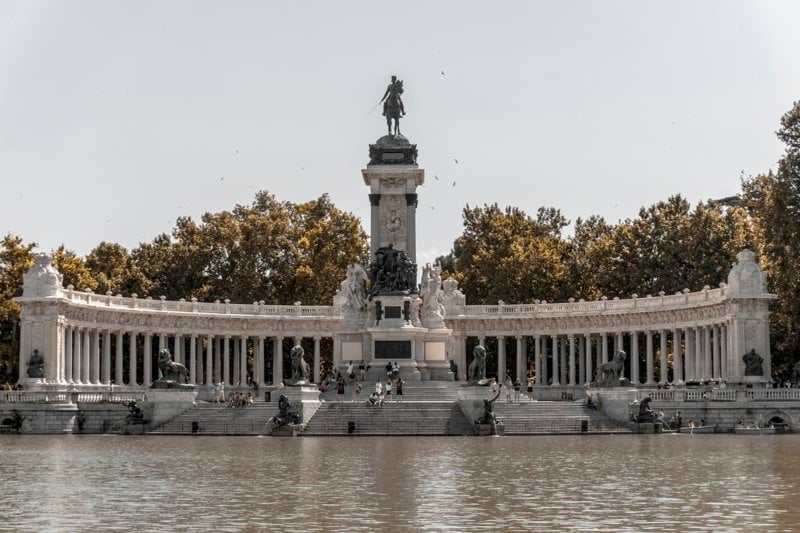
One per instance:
(215, 419)
(413, 391)
(553, 417)
(391, 418)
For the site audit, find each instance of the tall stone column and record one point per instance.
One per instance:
(375, 225)
(77, 355)
(118, 379)
(193, 358)
(68, 343)
(411, 226)
(243, 362)
(699, 356)
(132, 358)
(537, 363)
(316, 359)
(209, 359)
(522, 361)
(178, 343)
(162, 342)
(556, 357)
(604, 346)
(217, 361)
(277, 361)
(663, 357)
(226, 360)
(716, 373)
(501, 359)
(147, 379)
(581, 361)
(260, 362)
(562, 348)
(237, 360)
(619, 342)
(86, 347)
(95, 335)
(572, 359)
(634, 357)
(707, 355)
(106, 357)
(649, 337)
(677, 363)
(723, 338)
(587, 338)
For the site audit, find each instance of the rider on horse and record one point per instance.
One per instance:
(393, 107)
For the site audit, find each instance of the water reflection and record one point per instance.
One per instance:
(362, 484)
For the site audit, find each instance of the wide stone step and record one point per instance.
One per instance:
(419, 418)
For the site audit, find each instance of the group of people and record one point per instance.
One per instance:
(237, 399)
(384, 392)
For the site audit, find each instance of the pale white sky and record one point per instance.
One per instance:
(116, 117)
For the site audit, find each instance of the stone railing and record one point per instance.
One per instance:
(720, 395)
(707, 296)
(182, 306)
(772, 394)
(48, 396)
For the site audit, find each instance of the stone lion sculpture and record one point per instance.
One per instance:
(300, 369)
(476, 372)
(173, 375)
(608, 374)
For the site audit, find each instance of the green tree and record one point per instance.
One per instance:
(16, 257)
(773, 200)
(111, 266)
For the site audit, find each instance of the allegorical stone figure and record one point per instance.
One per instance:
(477, 368)
(393, 107)
(753, 364)
(300, 369)
(36, 365)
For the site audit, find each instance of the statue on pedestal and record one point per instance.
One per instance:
(352, 296)
(173, 375)
(608, 374)
(392, 271)
(285, 416)
(753, 364)
(646, 413)
(300, 369)
(476, 373)
(393, 107)
(36, 365)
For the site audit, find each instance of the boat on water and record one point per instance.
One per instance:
(755, 431)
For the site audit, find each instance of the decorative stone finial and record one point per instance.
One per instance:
(42, 280)
(746, 276)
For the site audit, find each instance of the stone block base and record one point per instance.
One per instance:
(289, 430)
(162, 405)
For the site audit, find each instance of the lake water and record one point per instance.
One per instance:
(646, 482)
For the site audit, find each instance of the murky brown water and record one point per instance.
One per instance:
(658, 482)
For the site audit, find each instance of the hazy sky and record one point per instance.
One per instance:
(117, 117)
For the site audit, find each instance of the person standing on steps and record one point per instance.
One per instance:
(362, 369)
(379, 391)
(395, 371)
(509, 389)
(357, 392)
(340, 389)
(400, 390)
(388, 390)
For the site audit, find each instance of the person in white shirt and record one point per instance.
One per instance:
(388, 390)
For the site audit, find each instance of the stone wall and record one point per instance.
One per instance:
(67, 418)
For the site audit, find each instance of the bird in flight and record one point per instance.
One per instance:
(437, 177)
(456, 160)
(442, 73)
(454, 184)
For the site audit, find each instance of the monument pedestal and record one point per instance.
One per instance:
(162, 405)
(304, 400)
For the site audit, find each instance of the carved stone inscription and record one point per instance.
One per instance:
(392, 349)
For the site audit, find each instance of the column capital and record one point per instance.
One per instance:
(317, 337)
(374, 199)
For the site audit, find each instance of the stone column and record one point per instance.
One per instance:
(132, 358)
(522, 361)
(634, 357)
(95, 336)
(663, 359)
(200, 366)
(482, 340)
(68, 340)
(572, 359)
(209, 359)
(619, 342)
(677, 363)
(707, 355)
(375, 226)
(316, 360)
(649, 337)
(699, 357)
(277, 361)
(411, 226)
(243, 363)
(723, 338)
(148, 359)
(226, 360)
(501, 359)
(162, 342)
(581, 361)
(237, 349)
(537, 364)
(716, 374)
(587, 338)
(556, 357)
(76, 355)
(217, 360)
(86, 347)
(687, 356)
(260, 362)
(178, 348)
(106, 357)
(562, 349)
(604, 347)
(118, 379)
(193, 358)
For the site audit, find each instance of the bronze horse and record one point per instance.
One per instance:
(393, 107)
